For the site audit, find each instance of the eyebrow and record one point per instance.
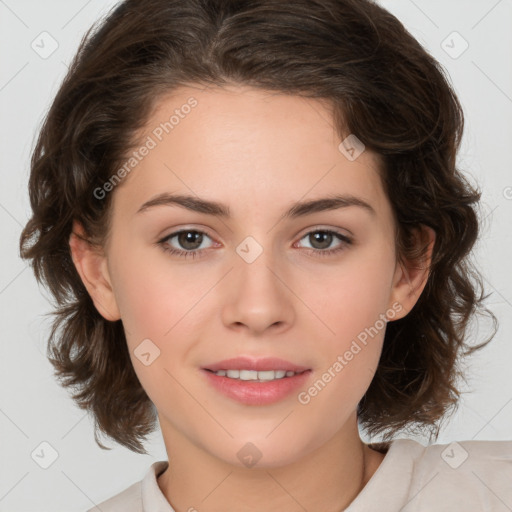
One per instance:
(298, 209)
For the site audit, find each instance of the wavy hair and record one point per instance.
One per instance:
(382, 86)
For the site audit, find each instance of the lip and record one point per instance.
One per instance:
(257, 364)
(257, 393)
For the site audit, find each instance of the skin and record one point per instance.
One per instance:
(257, 152)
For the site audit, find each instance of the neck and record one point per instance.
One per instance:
(328, 478)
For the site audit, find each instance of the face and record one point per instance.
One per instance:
(310, 286)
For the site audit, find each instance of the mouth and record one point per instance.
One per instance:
(252, 364)
(253, 375)
(256, 381)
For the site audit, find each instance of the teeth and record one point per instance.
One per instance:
(255, 375)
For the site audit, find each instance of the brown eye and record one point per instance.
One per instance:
(190, 239)
(188, 243)
(322, 239)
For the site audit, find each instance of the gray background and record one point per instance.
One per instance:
(34, 409)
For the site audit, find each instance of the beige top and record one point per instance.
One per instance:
(468, 476)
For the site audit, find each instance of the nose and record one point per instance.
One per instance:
(258, 296)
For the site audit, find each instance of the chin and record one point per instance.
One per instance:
(260, 452)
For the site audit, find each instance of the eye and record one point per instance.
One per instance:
(191, 242)
(189, 239)
(323, 238)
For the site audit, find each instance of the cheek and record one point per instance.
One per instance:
(353, 304)
(154, 299)
(355, 294)
(152, 294)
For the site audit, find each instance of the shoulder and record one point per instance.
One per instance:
(142, 496)
(129, 500)
(464, 475)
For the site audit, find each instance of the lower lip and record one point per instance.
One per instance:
(257, 393)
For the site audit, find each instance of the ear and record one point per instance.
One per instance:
(411, 277)
(91, 264)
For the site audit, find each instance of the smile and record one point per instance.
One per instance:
(259, 376)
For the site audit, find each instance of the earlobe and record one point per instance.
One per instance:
(91, 264)
(411, 277)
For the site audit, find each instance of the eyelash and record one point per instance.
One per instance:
(163, 243)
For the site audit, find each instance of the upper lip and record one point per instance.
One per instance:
(257, 364)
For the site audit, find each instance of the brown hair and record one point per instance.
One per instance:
(382, 86)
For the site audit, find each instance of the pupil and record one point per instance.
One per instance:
(188, 239)
(318, 236)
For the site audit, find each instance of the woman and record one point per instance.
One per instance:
(251, 216)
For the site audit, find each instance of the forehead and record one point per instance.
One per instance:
(245, 146)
